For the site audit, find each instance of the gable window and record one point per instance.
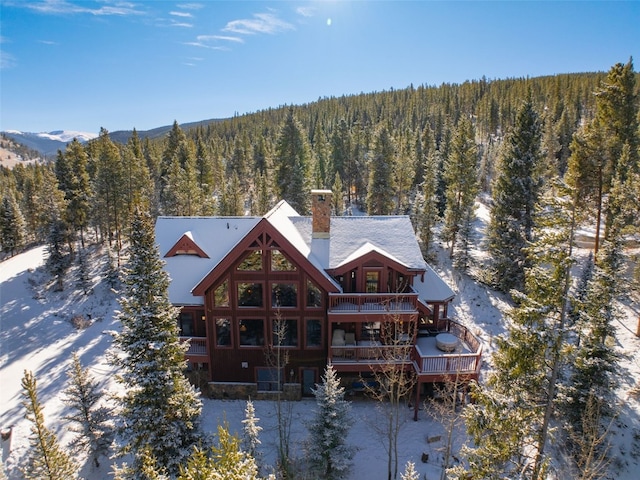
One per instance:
(280, 263)
(285, 333)
(314, 295)
(250, 295)
(314, 333)
(284, 295)
(251, 332)
(223, 332)
(221, 295)
(252, 262)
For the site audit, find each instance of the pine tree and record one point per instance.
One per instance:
(410, 472)
(515, 193)
(90, 418)
(45, 458)
(159, 408)
(73, 180)
(292, 158)
(461, 177)
(12, 224)
(380, 197)
(251, 431)
(84, 279)
(328, 455)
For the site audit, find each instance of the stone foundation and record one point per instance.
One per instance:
(245, 391)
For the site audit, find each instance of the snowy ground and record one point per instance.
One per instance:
(37, 334)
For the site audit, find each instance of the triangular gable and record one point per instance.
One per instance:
(186, 246)
(264, 229)
(369, 252)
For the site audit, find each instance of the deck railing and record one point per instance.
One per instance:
(372, 302)
(197, 346)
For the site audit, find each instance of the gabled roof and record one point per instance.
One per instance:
(186, 245)
(393, 235)
(216, 235)
(432, 288)
(351, 238)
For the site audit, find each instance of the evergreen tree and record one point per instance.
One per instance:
(232, 199)
(515, 193)
(159, 408)
(328, 455)
(251, 431)
(292, 158)
(461, 177)
(90, 419)
(341, 156)
(380, 196)
(45, 458)
(73, 180)
(12, 224)
(84, 278)
(337, 198)
(410, 472)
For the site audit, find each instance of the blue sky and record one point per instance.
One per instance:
(120, 64)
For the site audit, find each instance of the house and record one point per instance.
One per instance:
(354, 290)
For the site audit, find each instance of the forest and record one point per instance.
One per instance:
(549, 155)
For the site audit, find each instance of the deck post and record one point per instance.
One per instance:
(417, 402)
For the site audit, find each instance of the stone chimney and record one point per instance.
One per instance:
(321, 213)
(321, 223)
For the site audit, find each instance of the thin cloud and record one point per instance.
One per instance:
(223, 38)
(261, 23)
(7, 60)
(48, 42)
(181, 14)
(190, 6)
(64, 7)
(306, 11)
(181, 24)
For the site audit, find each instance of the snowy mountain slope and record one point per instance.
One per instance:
(48, 143)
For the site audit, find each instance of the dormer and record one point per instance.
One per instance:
(186, 245)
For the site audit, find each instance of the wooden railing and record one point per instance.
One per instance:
(197, 346)
(372, 302)
(451, 363)
(371, 353)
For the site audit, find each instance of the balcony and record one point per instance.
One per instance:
(373, 303)
(198, 351)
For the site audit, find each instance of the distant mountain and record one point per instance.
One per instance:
(49, 143)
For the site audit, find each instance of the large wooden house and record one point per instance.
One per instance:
(352, 290)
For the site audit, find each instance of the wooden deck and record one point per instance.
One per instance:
(350, 303)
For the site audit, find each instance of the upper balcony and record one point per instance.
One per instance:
(372, 303)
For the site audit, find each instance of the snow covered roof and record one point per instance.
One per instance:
(351, 238)
(433, 288)
(392, 235)
(216, 236)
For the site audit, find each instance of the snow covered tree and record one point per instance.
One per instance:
(251, 431)
(84, 278)
(410, 472)
(461, 177)
(90, 420)
(426, 203)
(159, 408)
(226, 460)
(509, 421)
(380, 196)
(45, 459)
(12, 224)
(515, 193)
(291, 161)
(328, 455)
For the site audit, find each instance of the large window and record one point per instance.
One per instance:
(223, 332)
(314, 333)
(314, 295)
(221, 295)
(251, 332)
(252, 262)
(280, 263)
(284, 295)
(250, 294)
(285, 332)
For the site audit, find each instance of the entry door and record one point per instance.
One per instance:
(372, 281)
(308, 380)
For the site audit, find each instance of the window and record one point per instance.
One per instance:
(285, 333)
(269, 379)
(251, 332)
(314, 333)
(252, 262)
(314, 295)
(221, 295)
(284, 295)
(280, 263)
(250, 295)
(223, 332)
(185, 321)
(371, 280)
